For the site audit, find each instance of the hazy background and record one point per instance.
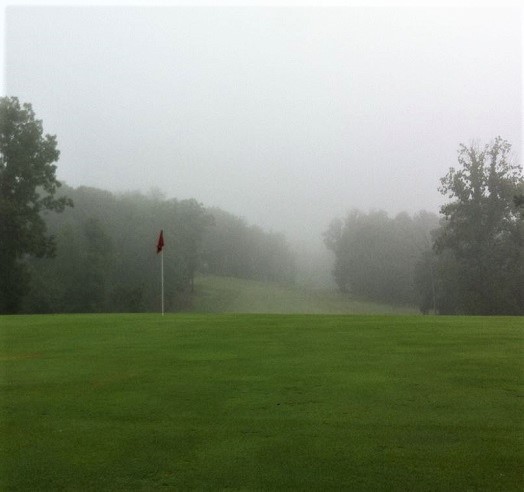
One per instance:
(285, 116)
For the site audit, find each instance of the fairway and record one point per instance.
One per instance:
(232, 295)
(261, 402)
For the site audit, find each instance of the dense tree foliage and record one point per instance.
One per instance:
(376, 256)
(233, 248)
(479, 246)
(101, 256)
(27, 188)
(471, 262)
(106, 256)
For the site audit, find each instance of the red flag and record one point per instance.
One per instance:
(160, 243)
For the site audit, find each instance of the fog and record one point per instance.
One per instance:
(288, 117)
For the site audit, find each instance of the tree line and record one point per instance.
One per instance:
(469, 262)
(99, 253)
(105, 258)
(376, 256)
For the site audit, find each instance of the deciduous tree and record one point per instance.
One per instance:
(27, 188)
(481, 237)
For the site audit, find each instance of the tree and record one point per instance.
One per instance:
(480, 241)
(27, 188)
(91, 275)
(232, 247)
(190, 221)
(376, 256)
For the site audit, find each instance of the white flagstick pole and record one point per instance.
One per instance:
(162, 275)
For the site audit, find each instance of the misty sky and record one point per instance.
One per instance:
(285, 116)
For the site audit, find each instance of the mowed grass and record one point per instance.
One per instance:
(232, 295)
(266, 402)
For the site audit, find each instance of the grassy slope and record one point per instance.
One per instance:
(127, 402)
(232, 295)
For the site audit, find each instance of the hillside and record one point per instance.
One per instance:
(232, 295)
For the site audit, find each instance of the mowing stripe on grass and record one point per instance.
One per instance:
(113, 402)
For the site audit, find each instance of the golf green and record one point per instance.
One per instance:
(266, 402)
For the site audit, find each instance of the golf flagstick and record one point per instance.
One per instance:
(160, 249)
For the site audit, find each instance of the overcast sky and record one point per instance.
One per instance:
(286, 116)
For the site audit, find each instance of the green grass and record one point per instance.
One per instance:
(265, 402)
(233, 295)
